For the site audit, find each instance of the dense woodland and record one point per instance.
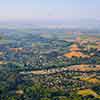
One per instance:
(23, 57)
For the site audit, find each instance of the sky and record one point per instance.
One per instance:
(49, 10)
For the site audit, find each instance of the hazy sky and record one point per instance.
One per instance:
(49, 10)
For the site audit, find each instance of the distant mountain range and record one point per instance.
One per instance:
(82, 25)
